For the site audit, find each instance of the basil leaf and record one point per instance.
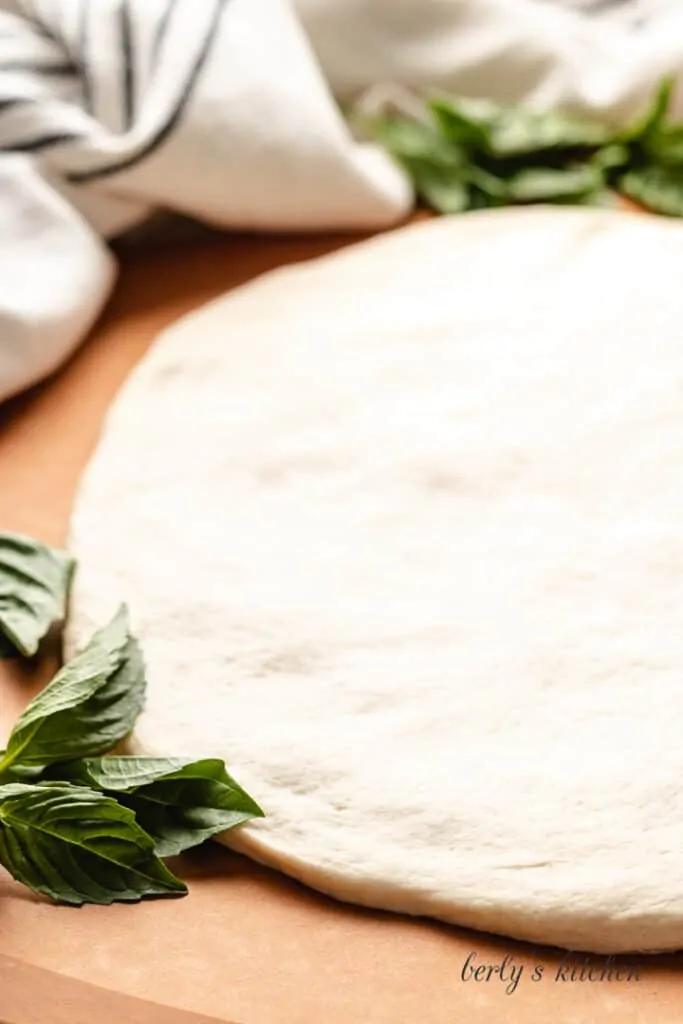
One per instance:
(659, 189)
(492, 186)
(34, 586)
(666, 147)
(179, 802)
(506, 131)
(482, 200)
(602, 197)
(433, 164)
(539, 184)
(519, 132)
(646, 127)
(77, 846)
(441, 188)
(465, 122)
(610, 157)
(412, 140)
(90, 705)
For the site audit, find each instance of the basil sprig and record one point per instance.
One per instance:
(466, 154)
(75, 825)
(179, 802)
(78, 846)
(34, 585)
(90, 705)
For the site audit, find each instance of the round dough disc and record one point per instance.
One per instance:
(401, 531)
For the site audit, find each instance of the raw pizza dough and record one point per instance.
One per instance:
(401, 531)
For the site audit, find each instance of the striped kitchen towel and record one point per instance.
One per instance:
(229, 111)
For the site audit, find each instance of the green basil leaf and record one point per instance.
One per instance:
(434, 165)
(611, 157)
(602, 197)
(90, 705)
(666, 146)
(466, 123)
(409, 140)
(34, 587)
(78, 846)
(442, 189)
(179, 802)
(506, 131)
(519, 132)
(479, 200)
(496, 188)
(647, 127)
(543, 184)
(659, 189)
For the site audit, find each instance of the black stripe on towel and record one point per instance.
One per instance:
(83, 43)
(41, 142)
(162, 31)
(38, 26)
(174, 117)
(60, 69)
(128, 58)
(14, 101)
(600, 6)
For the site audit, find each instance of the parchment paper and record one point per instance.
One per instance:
(246, 946)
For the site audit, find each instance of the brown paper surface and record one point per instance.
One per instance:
(246, 945)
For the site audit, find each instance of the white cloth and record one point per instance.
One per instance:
(226, 110)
